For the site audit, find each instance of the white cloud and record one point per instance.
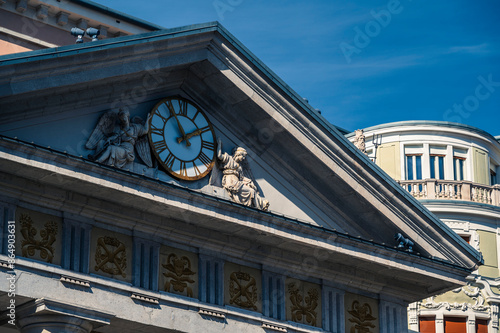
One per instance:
(474, 49)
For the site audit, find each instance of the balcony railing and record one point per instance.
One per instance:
(452, 190)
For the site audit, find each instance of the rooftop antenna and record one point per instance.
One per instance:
(376, 141)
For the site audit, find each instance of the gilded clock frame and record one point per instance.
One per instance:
(161, 162)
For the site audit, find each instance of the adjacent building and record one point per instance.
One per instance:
(28, 25)
(452, 170)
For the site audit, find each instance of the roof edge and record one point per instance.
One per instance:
(429, 123)
(108, 11)
(68, 50)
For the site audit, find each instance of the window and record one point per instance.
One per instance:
(493, 177)
(465, 238)
(458, 167)
(459, 158)
(455, 325)
(413, 166)
(481, 326)
(437, 166)
(427, 325)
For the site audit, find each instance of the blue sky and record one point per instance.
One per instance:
(364, 63)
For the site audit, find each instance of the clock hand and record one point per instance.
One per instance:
(180, 128)
(189, 136)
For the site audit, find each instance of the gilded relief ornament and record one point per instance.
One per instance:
(179, 274)
(237, 178)
(243, 290)
(361, 317)
(111, 256)
(116, 138)
(30, 244)
(303, 307)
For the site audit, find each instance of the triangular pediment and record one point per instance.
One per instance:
(300, 163)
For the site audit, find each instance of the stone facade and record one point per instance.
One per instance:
(100, 247)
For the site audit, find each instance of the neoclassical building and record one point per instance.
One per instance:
(452, 170)
(28, 25)
(166, 180)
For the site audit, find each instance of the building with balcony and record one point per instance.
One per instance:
(452, 169)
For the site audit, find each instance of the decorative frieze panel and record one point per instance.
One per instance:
(178, 272)
(38, 236)
(361, 314)
(242, 287)
(463, 298)
(303, 302)
(111, 254)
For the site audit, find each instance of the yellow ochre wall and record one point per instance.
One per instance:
(488, 245)
(481, 168)
(389, 160)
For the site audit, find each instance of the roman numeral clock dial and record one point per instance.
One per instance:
(182, 138)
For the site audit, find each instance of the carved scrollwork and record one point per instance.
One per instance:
(179, 274)
(473, 292)
(362, 317)
(304, 307)
(243, 290)
(111, 256)
(30, 244)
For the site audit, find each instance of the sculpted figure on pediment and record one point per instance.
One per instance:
(233, 173)
(359, 140)
(115, 140)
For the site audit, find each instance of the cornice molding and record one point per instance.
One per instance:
(208, 212)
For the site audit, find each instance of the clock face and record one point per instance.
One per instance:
(182, 138)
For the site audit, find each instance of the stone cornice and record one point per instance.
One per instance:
(433, 128)
(462, 207)
(151, 204)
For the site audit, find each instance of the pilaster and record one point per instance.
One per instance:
(413, 316)
(392, 317)
(471, 323)
(211, 279)
(146, 261)
(7, 213)
(333, 310)
(76, 246)
(439, 322)
(273, 290)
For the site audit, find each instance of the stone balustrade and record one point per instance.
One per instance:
(452, 189)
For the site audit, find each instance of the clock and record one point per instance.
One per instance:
(182, 138)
